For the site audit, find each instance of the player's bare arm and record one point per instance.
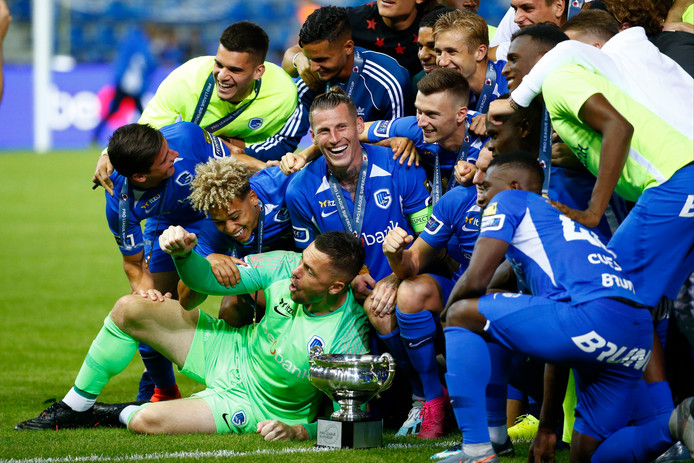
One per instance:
(616, 133)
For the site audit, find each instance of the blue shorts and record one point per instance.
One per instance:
(606, 342)
(655, 244)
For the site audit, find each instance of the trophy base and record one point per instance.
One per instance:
(350, 434)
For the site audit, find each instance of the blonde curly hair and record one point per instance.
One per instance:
(217, 183)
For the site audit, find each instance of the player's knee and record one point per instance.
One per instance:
(147, 420)
(462, 314)
(126, 311)
(416, 294)
(384, 325)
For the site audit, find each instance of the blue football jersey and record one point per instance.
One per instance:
(167, 203)
(407, 127)
(271, 187)
(391, 192)
(552, 255)
(500, 88)
(455, 224)
(382, 90)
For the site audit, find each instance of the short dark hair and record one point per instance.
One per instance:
(331, 100)
(429, 19)
(344, 250)
(521, 160)
(132, 148)
(329, 23)
(597, 22)
(545, 33)
(443, 79)
(246, 37)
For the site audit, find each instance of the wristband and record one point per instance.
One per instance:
(294, 59)
(181, 256)
(513, 104)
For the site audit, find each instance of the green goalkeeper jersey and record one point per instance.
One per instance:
(177, 97)
(273, 357)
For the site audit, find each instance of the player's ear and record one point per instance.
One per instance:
(360, 125)
(515, 185)
(461, 115)
(349, 47)
(524, 128)
(253, 198)
(336, 288)
(313, 136)
(259, 71)
(481, 52)
(139, 177)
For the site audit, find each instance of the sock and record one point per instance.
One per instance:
(79, 401)
(636, 443)
(497, 389)
(159, 367)
(498, 434)
(396, 348)
(418, 332)
(468, 365)
(661, 395)
(109, 354)
(127, 413)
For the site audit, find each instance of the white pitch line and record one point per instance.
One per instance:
(208, 454)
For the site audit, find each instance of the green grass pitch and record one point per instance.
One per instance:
(60, 274)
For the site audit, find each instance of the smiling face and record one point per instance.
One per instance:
(426, 53)
(522, 56)
(452, 52)
(438, 116)
(329, 60)
(536, 11)
(240, 219)
(483, 159)
(234, 73)
(495, 181)
(162, 167)
(336, 133)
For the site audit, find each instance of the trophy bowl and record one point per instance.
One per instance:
(350, 379)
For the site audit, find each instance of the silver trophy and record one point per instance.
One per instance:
(351, 380)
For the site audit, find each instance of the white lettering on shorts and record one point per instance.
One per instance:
(609, 352)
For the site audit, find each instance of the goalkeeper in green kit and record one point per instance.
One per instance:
(256, 375)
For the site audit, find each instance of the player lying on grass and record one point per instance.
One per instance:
(257, 375)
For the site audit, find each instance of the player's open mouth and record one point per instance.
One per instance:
(239, 233)
(387, 3)
(428, 67)
(224, 87)
(338, 149)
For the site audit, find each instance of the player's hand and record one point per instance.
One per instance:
(104, 169)
(404, 149)
(176, 240)
(291, 162)
(587, 218)
(5, 19)
(478, 126)
(273, 430)
(362, 285)
(272, 163)
(384, 296)
(396, 241)
(464, 172)
(154, 295)
(225, 269)
(312, 79)
(542, 448)
(497, 110)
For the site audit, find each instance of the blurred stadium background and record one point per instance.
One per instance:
(80, 44)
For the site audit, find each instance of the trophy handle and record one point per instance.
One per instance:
(391, 372)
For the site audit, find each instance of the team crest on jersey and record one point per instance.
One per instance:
(490, 209)
(282, 215)
(433, 225)
(382, 128)
(315, 341)
(239, 418)
(383, 198)
(492, 222)
(184, 178)
(300, 235)
(255, 123)
(488, 82)
(574, 3)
